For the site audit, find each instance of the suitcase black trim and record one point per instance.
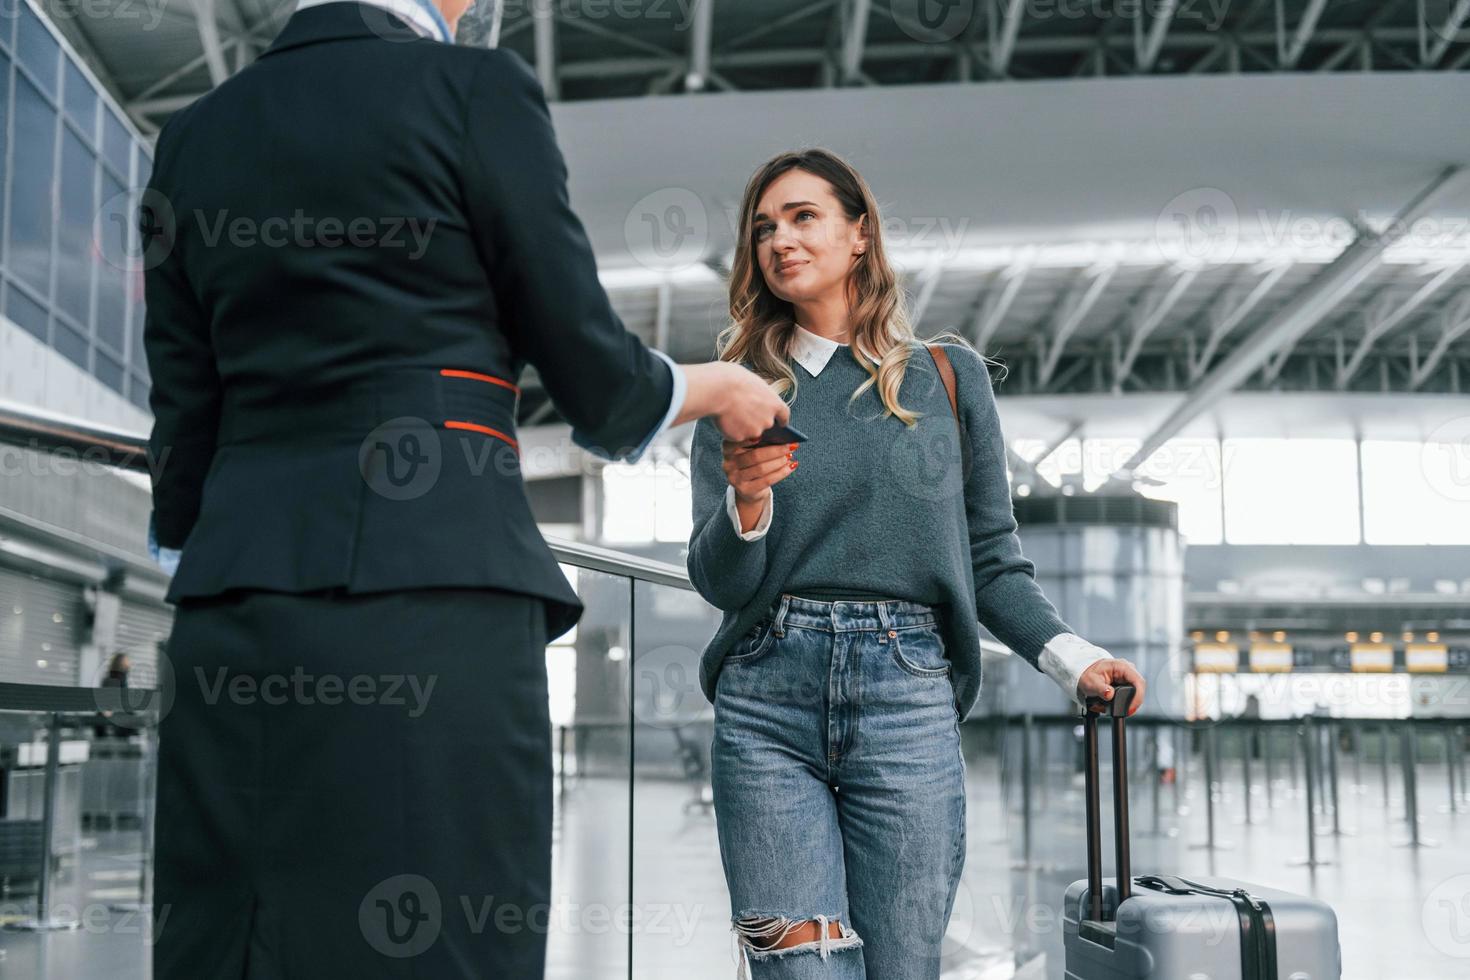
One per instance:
(1257, 926)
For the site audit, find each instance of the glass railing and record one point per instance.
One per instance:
(638, 886)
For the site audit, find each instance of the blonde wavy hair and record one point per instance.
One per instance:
(762, 324)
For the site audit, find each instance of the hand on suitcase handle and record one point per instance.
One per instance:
(1119, 706)
(1106, 676)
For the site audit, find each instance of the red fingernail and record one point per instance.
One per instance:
(792, 446)
(794, 464)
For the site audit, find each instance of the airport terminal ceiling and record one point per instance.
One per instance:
(1117, 199)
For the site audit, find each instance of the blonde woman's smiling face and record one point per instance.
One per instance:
(804, 245)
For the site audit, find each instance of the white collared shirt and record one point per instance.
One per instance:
(418, 18)
(1063, 658)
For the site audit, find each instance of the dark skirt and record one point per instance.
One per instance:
(354, 786)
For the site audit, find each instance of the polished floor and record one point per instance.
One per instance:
(1404, 911)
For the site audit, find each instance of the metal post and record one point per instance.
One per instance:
(1041, 770)
(1210, 786)
(1248, 736)
(1296, 745)
(1182, 758)
(1026, 728)
(1026, 789)
(1154, 773)
(561, 750)
(1383, 758)
(1306, 735)
(1320, 761)
(44, 921)
(1449, 765)
(1410, 747)
(1357, 733)
(1270, 752)
(1337, 830)
(1007, 781)
(150, 814)
(1210, 761)
(1460, 757)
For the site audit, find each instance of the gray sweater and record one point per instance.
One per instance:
(878, 509)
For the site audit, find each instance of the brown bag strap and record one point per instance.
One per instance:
(946, 373)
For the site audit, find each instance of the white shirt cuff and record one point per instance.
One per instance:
(675, 407)
(1064, 657)
(761, 526)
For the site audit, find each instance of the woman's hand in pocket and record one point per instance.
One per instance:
(753, 470)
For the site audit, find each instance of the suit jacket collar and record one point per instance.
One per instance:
(335, 21)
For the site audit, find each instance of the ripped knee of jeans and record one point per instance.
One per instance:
(766, 936)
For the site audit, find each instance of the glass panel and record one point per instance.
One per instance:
(37, 49)
(26, 312)
(587, 673)
(4, 117)
(109, 370)
(31, 216)
(112, 283)
(680, 901)
(74, 248)
(98, 870)
(137, 357)
(1416, 493)
(138, 393)
(1186, 471)
(80, 100)
(69, 343)
(116, 143)
(1291, 491)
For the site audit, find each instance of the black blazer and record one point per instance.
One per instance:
(352, 248)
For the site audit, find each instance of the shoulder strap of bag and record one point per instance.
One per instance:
(946, 373)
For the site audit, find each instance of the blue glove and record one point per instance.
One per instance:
(166, 558)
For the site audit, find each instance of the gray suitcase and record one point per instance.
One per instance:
(1176, 928)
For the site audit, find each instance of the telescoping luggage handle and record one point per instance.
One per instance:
(1117, 708)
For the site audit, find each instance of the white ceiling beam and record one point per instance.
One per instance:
(1003, 37)
(1303, 34)
(497, 20)
(1271, 369)
(64, 18)
(214, 55)
(722, 58)
(997, 304)
(855, 37)
(544, 39)
(1147, 50)
(928, 283)
(780, 23)
(163, 104)
(1072, 429)
(1306, 309)
(1455, 324)
(1385, 316)
(699, 46)
(1157, 305)
(1230, 311)
(1075, 308)
(1451, 27)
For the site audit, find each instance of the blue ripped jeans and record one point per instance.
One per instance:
(839, 789)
